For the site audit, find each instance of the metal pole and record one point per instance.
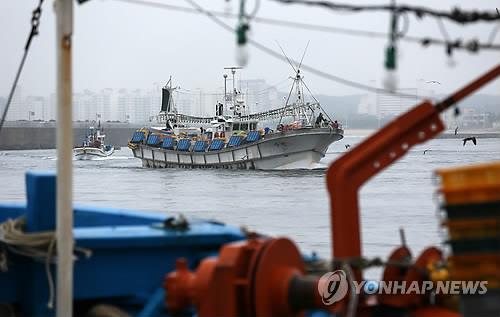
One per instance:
(64, 218)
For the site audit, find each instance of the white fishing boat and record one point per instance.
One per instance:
(295, 136)
(93, 146)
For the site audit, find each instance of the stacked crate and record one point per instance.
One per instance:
(472, 205)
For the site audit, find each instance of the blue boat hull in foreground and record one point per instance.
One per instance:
(125, 257)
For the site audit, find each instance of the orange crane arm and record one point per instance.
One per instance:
(348, 173)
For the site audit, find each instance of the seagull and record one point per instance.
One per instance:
(456, 130)
(347, 146)
(433, 82)
(425, 151)
(471, 138)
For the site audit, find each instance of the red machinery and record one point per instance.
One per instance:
(266, 277)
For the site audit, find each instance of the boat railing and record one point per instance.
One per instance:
(289, 110)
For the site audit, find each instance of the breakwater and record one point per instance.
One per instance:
(27, 135)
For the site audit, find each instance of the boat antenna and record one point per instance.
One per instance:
(225, 89)
(284, 54)
(233, 72)
(303, 55)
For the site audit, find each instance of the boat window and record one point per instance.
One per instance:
(244, 126)
(236, 126)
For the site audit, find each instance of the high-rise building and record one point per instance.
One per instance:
(17, 109)
(390, 105)
(35, 107)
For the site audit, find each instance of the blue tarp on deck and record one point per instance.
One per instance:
(200, 146)
(184, 145)
(253, 136)
(154, 139)
(216, 145)
(235, 140)
(168, 143)
(137, 137)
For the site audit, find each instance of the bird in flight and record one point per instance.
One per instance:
(433, 82)
(471, 138)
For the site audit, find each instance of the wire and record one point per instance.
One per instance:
(277, 55)
(493, 33)
(314, 27)
(35, 22)
(213, 16)
(185, 91)
(256, 8)
(443, 30)
(310, 69)
(406, 26)
(456, 15)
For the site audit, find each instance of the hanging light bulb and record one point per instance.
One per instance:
(390, 80)
(242, 37)
(241, 44)
(450, 61)
(242, 55)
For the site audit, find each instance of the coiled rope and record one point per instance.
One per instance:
(39, 246)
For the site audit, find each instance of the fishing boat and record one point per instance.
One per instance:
(93, 146)
(291, 137)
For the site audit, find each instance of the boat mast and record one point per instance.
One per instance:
(225, 95)
(233, 93)
(64, 210)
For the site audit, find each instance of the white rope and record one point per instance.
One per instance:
(37, 245)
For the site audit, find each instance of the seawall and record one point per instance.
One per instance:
(42, 135)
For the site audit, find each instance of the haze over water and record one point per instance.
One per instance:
(285, 203)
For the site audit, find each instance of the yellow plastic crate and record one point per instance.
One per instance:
(473, 193)
(473, 228)
(477, 267)
(470, 176)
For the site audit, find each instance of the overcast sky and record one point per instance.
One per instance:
(119, 44)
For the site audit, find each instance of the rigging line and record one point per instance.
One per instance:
(35, 22)
(303, 55)
(312, 70)
(284, 54)
(311, 27)
(456, 15)
(317, 101)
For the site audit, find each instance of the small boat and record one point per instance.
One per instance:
(93, 146)
(295, 136)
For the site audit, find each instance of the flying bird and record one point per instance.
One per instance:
(471, 138)
(433, 82)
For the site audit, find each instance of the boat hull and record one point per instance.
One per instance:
(89, 153)
(295, 149)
